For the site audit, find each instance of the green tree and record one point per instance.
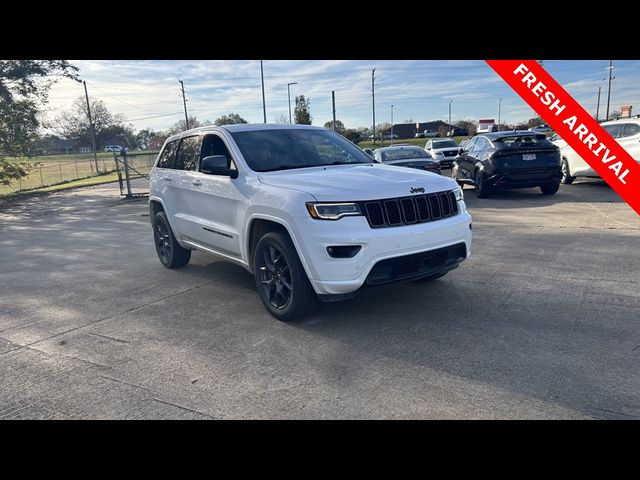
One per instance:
(302, 112)
(74, 124)
(535, 121)
(469, 125)
(230, 119)
(180, 126)
(143, 137)
(340, 128)
(24, 87)
(353, 135)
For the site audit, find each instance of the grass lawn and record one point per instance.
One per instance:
(420, 142)
(84, 182)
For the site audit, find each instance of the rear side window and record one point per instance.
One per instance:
(168, 155)
(614, 130)
(631, 129)
(188, 155)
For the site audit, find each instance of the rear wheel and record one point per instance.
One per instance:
(280, 278)
(567, 179)
(550, 189)
(169, 251)
(482, 189)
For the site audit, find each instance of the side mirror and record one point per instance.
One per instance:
(217, 165)
(460, 150)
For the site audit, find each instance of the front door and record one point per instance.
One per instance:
(216, 202)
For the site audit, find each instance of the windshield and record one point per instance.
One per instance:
(268, 150)
(403, 154)
(444, 144)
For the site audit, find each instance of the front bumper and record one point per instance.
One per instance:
(339, 276)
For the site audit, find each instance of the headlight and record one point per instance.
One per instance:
(333, 211)
(458, 194)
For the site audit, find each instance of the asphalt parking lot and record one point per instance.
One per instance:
(541, 322)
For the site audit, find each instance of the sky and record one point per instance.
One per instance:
(147, 93)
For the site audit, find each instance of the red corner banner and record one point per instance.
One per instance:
(574, 124)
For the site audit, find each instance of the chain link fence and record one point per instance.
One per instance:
(49, 173)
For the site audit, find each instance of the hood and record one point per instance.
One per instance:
(357, 182)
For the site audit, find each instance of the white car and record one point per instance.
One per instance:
(541, 129)
(443, 151)
(427, 134)
(626, 132)
(114, 148)
(307, 212)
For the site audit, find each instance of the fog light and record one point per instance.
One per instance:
(343, 251)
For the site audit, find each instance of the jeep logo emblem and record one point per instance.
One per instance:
(416, 190)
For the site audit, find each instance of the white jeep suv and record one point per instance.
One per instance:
(303, 209)
(626, 131)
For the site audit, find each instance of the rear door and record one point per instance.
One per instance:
(182, 184)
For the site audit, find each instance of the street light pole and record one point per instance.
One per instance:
(499, 105)
(93, 128)
(598, 106)
(450, 129)
(391, 125)
(184, 101)
(609, 92)
(373, 102)
(264, 103)
(289, 95)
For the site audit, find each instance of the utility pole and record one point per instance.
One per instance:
(264, 103)
(499, 105)
(609, 92)
(373, 102)
(333, 102)
(450, 129)
(93, 128)
(289, 96)
(184, 102)
(392, 125)
(598, 105)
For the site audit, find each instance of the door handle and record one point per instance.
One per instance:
(168, 179)
(197, 183)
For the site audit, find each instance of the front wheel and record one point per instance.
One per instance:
(550, 189)
(281, 281)
(454, 175)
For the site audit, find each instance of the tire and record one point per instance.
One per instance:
(429, 278)
(454, 175)
(482, 190)
(281, 281)
(550, 189)
(169, 251)
(567, 179)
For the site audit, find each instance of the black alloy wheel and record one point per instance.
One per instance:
(275, 277)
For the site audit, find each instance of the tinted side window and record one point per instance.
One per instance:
(168, 155)
(480, 145)
(470, 145)
(631, 129)
(188, 155)
(214, 145)
(614, 130)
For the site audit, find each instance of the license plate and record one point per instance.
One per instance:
(528, 156)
